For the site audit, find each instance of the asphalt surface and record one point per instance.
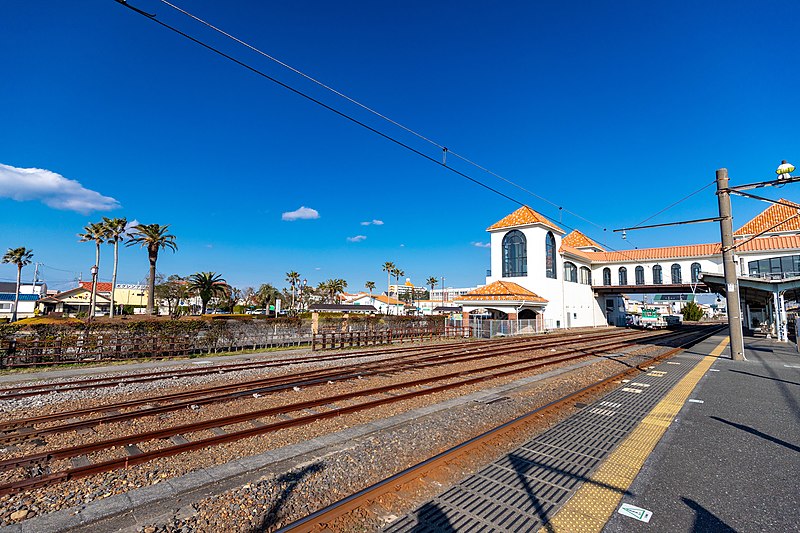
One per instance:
(731, 463)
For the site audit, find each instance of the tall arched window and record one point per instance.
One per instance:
(676, 273)
(658, 277)
(695, 272)
(606, 276)
(570, 272)
(640, 275)
(550, 256)
(623, 276)
(515, 255)
(585, 276)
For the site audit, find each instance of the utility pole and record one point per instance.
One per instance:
(729, 267)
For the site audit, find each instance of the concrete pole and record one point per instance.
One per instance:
(729, 267)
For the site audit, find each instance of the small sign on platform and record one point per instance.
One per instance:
(631, 511)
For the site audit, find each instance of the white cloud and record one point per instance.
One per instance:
(130, 226)
(373, 222)
(303, 213)
(481, 244)
(357, 238)
(53, 190)
(402, 246)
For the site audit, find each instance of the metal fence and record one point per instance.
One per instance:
(348, 339)
(487, 329)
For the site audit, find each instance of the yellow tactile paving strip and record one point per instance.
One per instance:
(593, 504)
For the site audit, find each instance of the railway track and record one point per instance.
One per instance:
(369, 398)
(16, 430)
(361, 502)
(23, 391)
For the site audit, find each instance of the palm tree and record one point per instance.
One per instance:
(97, 232)
(397, 273)
(207, 285)
(324, 290)
(431, 282)
(21, 257)
(154, 237)
(293, 278)
(115, 233)
(369, 286)
(337, 285)
(388, 267)
(267, 293)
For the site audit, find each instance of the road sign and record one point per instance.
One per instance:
(631, 511)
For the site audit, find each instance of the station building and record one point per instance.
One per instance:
(540, 272)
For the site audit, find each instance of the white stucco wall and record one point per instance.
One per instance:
(569, 304)
(707, 264)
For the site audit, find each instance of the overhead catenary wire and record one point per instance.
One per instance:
(337, 111)
(445, 150)
(651, 217)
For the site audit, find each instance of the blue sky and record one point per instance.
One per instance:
(611, 110)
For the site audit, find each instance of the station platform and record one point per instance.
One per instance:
(699, 443)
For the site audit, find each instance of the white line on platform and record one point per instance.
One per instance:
(692, 400)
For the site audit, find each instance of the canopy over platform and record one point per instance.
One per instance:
(756, 293)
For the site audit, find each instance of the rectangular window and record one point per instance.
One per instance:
(786, 264)
(5, 306)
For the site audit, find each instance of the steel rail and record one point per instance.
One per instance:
(236, 390)
(114, 464)
(46, 388)
(318, 520)
(272, 385)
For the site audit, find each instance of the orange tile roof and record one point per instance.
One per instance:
(387, 299)
(771, 216)
(102, 286)
(501, 291)
(570, 250)
(576, 239)
(783, 242)
(523, 216)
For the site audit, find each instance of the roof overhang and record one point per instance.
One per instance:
(755, 290)
(671, 288)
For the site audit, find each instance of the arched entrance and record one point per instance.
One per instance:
(527, 314)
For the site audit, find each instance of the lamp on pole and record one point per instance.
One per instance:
(94, 291)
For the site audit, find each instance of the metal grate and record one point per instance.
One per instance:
(522, 490)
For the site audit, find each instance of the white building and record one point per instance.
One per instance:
(29, 295)
(568, 280)
(448, 294)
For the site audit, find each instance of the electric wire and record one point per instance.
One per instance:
(763, 199)
(440, 146)
(674, 204)
(337, 112)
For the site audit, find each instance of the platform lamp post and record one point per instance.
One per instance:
(94, 291)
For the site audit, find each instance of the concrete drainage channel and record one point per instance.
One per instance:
(128, 511)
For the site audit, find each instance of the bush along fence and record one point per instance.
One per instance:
(50, 344)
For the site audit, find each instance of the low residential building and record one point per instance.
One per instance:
(124, 293)
(29, 295)
(384, 304)
(75, 302)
